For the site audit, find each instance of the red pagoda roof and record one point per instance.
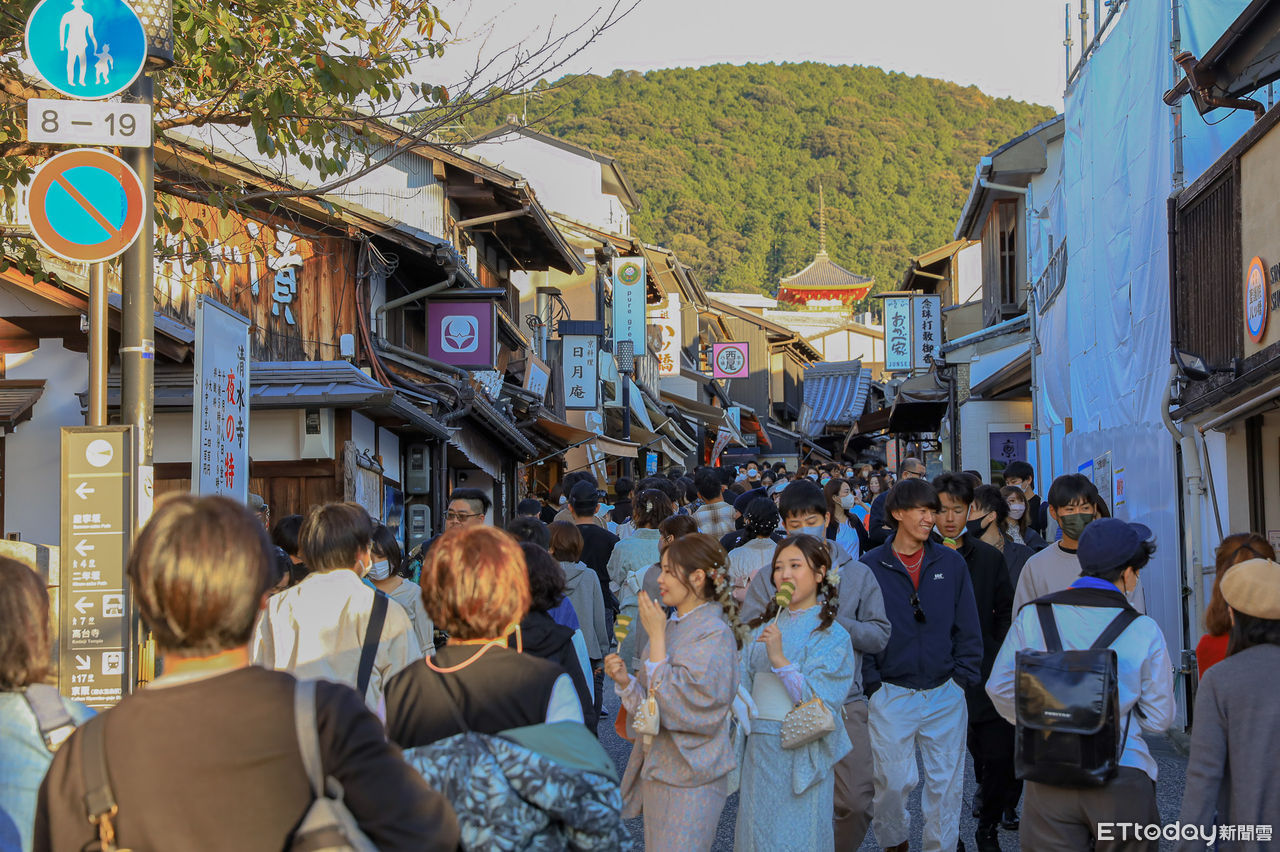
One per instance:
(824, 281)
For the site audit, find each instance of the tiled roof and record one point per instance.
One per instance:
(834, 393)
(825, 274)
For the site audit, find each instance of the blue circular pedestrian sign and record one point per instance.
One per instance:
(87, 48)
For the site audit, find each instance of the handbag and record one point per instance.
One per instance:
(647, 720)
(806, 723)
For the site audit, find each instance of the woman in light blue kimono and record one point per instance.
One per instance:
(632, 557)
(795, 653)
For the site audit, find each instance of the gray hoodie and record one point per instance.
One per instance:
(861, 609)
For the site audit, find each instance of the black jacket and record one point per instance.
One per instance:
(1016, 556)
(877, 532)
(993, 594)
(543, 638)
(1038, 515)
(597, 547)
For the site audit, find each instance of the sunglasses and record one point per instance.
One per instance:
(916, 610)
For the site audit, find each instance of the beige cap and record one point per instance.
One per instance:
(1253, 587)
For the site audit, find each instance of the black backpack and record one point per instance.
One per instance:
(1067, 706)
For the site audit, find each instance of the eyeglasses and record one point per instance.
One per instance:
(913, 474)
(461, 517)
(915, 608)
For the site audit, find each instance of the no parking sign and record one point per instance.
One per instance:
(86, 205)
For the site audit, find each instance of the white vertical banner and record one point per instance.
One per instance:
(926, 330)
(897, 333)
(220, 419)
(581, 365)
(671, 331)
(629, 302)
(722, 441)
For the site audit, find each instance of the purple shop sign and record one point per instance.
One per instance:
(462, 334)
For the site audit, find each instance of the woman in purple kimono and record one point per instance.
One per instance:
(678, 779)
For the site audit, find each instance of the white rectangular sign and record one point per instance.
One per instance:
(897, 333)
(629, 301)
(581, 364)
(88, 123)
(926, 330)
(671, 331)
(220, 422)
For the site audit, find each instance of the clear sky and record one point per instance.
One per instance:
(1008, 48)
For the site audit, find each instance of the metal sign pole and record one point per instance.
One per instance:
(97, 414)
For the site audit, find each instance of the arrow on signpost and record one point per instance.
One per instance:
(83, 491)
(84, 547)
(83, 605)
(82, 663)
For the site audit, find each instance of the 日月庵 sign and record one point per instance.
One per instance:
(580, 361)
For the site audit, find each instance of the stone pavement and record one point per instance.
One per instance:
(1173, 768)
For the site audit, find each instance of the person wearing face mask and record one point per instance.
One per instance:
(845, 528)
(1073, 505)
(1020, 475)
(1017, 525)
(962, 525)
(1111, 554)
(320, 627)
(386, 578)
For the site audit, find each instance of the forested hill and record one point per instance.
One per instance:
(727, 160)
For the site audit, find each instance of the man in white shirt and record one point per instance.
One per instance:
(317, 629)
(1073, 505)
(1064, 819)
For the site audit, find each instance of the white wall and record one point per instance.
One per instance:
(389, 449)
(364, 433)
(565, 182)
(978, 419)
(33, 463)
(274, 435)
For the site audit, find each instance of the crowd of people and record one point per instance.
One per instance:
(810, 640)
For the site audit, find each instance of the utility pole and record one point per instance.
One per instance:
(137, 271)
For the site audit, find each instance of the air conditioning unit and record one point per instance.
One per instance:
(315, 439)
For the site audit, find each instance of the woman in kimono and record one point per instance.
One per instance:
(678, 779)
(795, 653)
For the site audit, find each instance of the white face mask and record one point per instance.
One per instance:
(379, 570)
(848, 501)
(1016, 510)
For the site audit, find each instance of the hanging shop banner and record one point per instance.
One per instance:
(537, 376)
(670, 328)
(462, 334)
(220, 426)
(629, 302)
(722, 441)
(926, 330)
(729, 360)
(581, 365)
(897, 333)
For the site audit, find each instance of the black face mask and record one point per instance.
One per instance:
(975, 529)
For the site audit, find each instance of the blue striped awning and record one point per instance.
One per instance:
(834, 394)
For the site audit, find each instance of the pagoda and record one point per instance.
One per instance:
(824, 283)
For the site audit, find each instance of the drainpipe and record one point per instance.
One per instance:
(380, 314)
(1192, 492)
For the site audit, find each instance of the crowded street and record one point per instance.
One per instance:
(644, 425)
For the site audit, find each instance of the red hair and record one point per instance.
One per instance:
(475, 584)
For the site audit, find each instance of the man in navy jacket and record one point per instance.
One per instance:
(934, 654)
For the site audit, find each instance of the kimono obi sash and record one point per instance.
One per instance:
(770, 696)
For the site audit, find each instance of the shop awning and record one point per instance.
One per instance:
(918, 406)
(658, 443)
(295, 384)
(708, 415)
(1011, 381)
(834, 393)
(18, 398)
